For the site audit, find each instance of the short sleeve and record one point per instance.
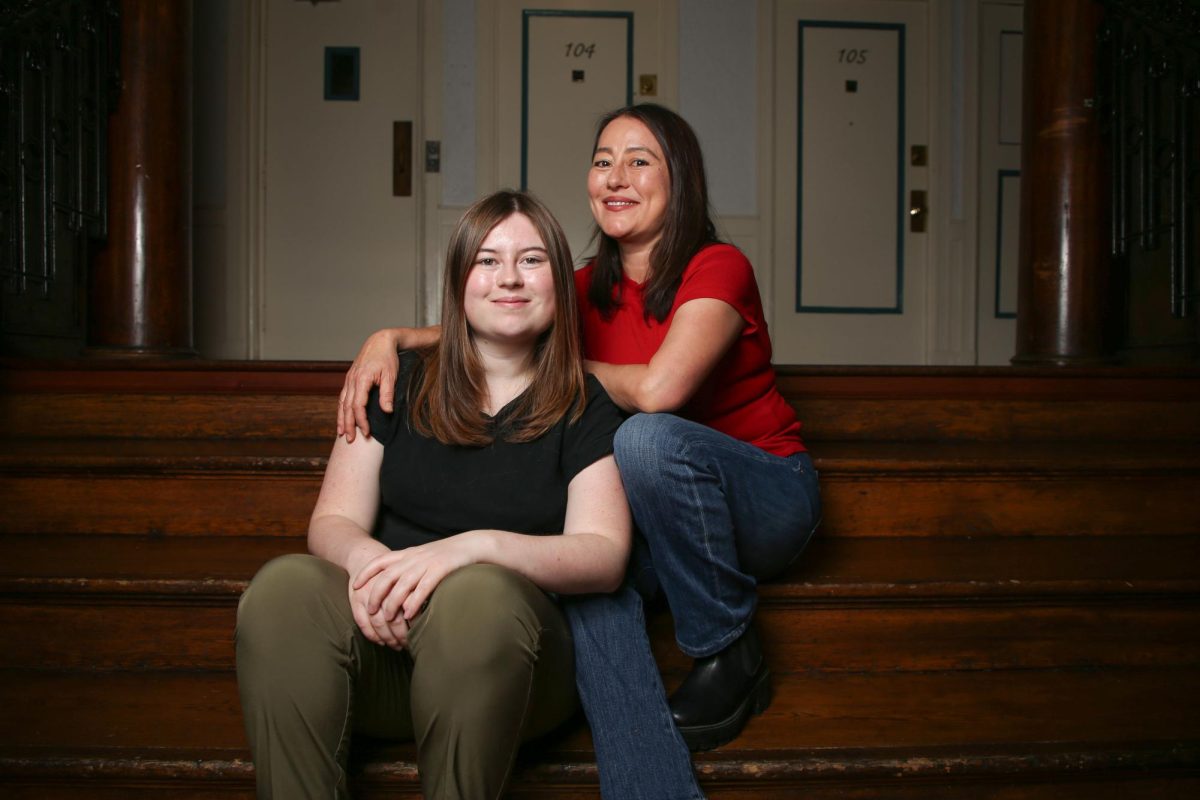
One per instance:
(590, 438)
(723, 273)
(384, 425)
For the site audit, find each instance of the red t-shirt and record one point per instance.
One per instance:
(739, 397)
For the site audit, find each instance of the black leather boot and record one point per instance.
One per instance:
(721, 693)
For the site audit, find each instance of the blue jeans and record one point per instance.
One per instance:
(717, 516)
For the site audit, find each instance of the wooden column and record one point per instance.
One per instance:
(1063, 261)
(140, 293)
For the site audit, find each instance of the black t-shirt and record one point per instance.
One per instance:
(429, 490)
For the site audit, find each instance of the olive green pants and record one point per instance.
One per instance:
(489, 664)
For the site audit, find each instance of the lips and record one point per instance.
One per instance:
(618, 203)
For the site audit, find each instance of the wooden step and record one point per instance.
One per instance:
(251, 487)
(847, 569)
(1117, 774)
(1002, 601)
(993, 404)
(195, 399)
(161, 636)
(937, 727)
(138, 603)
(195, 719)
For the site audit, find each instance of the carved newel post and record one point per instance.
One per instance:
(140, 292)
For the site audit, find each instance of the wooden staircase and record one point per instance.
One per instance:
(1003, 600)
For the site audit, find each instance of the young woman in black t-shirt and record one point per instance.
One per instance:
(424, 610)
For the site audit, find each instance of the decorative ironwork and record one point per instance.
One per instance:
(1150, 101)
(58, 81)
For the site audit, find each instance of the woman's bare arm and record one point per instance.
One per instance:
(339, 529)
(702, 331)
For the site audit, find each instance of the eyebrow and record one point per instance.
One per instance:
(522, 250)
(639, 147)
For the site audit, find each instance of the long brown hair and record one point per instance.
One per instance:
(687, 227)
(446, 397)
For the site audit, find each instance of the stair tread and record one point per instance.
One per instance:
(264, 399)
(308, 455)
(833, 567)
(151, 712)
(94, 635)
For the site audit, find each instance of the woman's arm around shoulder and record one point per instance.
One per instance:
(377, 363)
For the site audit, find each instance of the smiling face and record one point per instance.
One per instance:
(629, 184)
(509, 295)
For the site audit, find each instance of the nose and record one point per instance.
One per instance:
(616, 176)
(509, 275)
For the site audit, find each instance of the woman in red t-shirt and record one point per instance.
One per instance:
(721, 488)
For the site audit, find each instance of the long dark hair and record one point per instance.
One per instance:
(445, 398)
(687, 227)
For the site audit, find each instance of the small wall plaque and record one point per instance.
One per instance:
(341, 73)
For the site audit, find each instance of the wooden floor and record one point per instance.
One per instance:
(1002, 601)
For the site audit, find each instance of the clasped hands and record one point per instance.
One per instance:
(391, 589)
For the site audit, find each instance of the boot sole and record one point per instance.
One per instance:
(713, 735)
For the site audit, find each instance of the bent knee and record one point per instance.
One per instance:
(484, 616)
(288, 589)
(644, 438)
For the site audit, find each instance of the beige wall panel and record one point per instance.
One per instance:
(840, 255)
(577, 68)
(340, 252)
(999, 180)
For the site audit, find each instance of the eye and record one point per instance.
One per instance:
(532, 261)
(640, 162)
(486, 261)
(601, 163)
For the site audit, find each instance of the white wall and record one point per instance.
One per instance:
(718, 74)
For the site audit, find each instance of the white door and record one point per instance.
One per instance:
(851, 112)
(339, 246)
(1000, 45)
(559, 66)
